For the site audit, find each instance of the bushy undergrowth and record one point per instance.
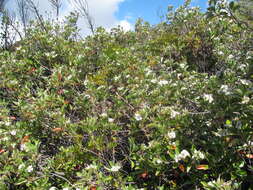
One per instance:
(161, 107)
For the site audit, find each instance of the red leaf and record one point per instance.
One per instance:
(181, 167)
(2, 151)
(144, 175)
(202, 167)
(58, 129)
(25, 139)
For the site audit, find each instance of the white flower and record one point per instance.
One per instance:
(52, 188)
(249, 143)
(171, 134)
(173, 113)
(13, 132)
(115, 168)
(23, 147)
(87, 96)
(245, 82)
(163, 82)
(8, 123)
(224, 89)
(220, 53)
(104, 114)
(137, 117)
(182, 155)
(230, 56)
(21, 166)
(29, 169)
(154, 81)
(110, 120)
(158, 161)
(91, 166)
(85, 82)
(116, 78)
(198, 154)
(148, 71)
(245, 100)
(208, 97)
(65, 188)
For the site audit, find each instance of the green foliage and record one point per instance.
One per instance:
(161, 107)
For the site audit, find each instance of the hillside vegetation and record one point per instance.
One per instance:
(160, 107)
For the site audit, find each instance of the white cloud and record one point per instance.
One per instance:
(102, 11)
(125, 25)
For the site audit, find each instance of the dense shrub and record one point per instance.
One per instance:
(161, 107)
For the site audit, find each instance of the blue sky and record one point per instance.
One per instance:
(110, 13)
(150, 10)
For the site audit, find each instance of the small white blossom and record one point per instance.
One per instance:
(198, 154)
(87, 96)
(104, 114)
(8, 123)
(52, 188)
(220, 53)
(171, 134)
(154, 81)
(225, 89)
(245, 82)
(245, 100)
(21, 166)
(91, 166)
(182, 155)
(138, 117)
(23, 147)
(230, 56)
(5, 139)
(208, 98)
(13, 132)
(65, 188)
(116, 78)
(249, 143)
(110, 120)
(158, 161)
(115, 168)
(29, 169)
(173, 113)
(163, 82)
(85, 82)
(148, 71)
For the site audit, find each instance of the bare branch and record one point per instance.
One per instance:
(2, 4)
(23, 11)
(56, 4)
(10, 30)
(83, 8)
(35, 10)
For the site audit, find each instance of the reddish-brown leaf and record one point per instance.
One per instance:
(25, 139)
(181, 167)
(58, 129)
(144, 175)
(93, 187)
(202, 167)
(2, 151)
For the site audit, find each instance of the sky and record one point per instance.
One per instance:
(110, 13)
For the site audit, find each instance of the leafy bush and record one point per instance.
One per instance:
(161, 107)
